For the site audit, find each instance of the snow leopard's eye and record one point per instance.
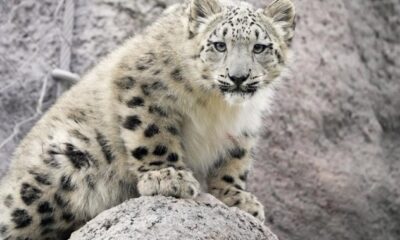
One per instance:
(220, 46)
(259, 48)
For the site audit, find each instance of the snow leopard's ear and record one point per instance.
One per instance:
(282, 13)
(199, 12)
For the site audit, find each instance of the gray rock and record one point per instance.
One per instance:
(167, 218)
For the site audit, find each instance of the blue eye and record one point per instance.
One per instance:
(259, 48)
(220, 46)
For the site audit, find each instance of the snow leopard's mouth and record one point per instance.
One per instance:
(242, 89)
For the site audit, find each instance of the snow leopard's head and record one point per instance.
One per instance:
(243, 49)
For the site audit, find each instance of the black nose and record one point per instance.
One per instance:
(238, 80)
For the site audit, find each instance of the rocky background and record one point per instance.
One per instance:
(329, 160)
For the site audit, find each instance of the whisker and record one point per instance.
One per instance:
(257, 76)
(252, 84)
(223, 83)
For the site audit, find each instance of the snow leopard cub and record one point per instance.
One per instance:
(174, 111)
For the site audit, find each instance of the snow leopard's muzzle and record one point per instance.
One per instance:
(237, 83)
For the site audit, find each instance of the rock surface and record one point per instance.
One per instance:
(162, 218)
(329, 161)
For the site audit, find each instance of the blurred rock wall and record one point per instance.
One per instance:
(329, 160)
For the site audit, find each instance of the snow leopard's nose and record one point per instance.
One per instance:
(238, 80)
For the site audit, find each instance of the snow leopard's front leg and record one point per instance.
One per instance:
(151, 135)
(227, 182)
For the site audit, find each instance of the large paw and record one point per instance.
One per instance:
(169, 182)
(245, 201)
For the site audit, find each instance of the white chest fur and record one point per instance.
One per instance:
(209, 130)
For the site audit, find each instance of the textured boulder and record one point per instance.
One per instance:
(167, 218)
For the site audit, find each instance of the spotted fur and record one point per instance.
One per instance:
(174, 111)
